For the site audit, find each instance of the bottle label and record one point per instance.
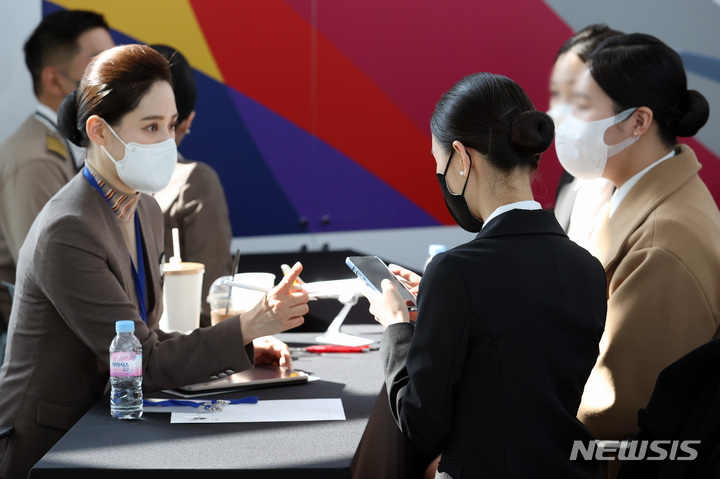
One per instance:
(125, 364)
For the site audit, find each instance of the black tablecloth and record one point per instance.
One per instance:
(99, 446)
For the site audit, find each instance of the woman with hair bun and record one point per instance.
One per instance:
(659, 240)
(94, 256)
(577, 201)
(507, 328)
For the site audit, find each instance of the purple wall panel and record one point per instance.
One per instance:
(321, 182)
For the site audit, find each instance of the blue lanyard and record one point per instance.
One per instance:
(138, 273)
(214, 404)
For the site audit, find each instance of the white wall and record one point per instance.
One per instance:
(18, 18)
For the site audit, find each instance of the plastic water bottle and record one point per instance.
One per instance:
(433, 249)
(126, 398)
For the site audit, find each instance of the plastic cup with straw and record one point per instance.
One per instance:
(220, 295)
(182, 291)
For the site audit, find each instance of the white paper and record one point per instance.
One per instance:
(282, 410)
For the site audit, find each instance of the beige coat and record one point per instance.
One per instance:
(34, 165)
(74, 282)
(661, 253)
(194, 203)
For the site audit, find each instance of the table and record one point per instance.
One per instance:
(100, 446)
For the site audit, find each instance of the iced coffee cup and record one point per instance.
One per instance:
(220, 299)
(182, 296)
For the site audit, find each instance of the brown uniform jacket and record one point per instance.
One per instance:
(74, 283)
(194, 202)
(661, 253)
(34, 165)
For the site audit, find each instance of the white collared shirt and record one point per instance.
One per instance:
(622, 192)
(49, 117)
(519, 205)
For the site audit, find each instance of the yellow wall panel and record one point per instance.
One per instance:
(171, 22)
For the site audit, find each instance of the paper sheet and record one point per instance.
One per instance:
(282, 410)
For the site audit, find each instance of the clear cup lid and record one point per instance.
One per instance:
(219, 289)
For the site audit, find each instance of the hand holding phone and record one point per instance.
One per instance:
(386, 308)
(372, 270)
(410, 279)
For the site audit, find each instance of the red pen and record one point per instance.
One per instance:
(332, 348)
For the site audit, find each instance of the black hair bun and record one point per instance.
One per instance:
(695, 116)
(67, 120)
(531, 133)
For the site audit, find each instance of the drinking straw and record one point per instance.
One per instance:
(176, 247)
(233, 271)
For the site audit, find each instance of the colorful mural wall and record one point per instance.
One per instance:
(316, 113)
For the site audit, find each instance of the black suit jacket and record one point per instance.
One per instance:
(683, 407)
(507, 333)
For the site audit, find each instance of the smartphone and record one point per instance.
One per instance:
(373, 270)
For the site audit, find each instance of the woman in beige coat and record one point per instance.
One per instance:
(658, 238)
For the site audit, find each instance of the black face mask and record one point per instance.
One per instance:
(456, 204)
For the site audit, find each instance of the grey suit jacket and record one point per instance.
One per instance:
(74, 282)
(194, 203)
(34, 165)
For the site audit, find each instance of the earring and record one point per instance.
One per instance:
(187, 132)
(462, 173)
(634, 133)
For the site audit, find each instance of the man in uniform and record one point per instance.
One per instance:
(36, 161)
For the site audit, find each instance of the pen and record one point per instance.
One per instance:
(207, 404)
(332, 348)
(251, 287)
(286, 270)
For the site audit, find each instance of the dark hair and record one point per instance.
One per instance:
(55, 40)
(114, 83)
(640, 70)
(183, 79)
(586, 40)
(493, 115)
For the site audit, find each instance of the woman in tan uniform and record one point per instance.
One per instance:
(93, 257)
(659, 239)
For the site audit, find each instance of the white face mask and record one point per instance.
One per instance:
(581, 147)
(559, 112)
(145, 168)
